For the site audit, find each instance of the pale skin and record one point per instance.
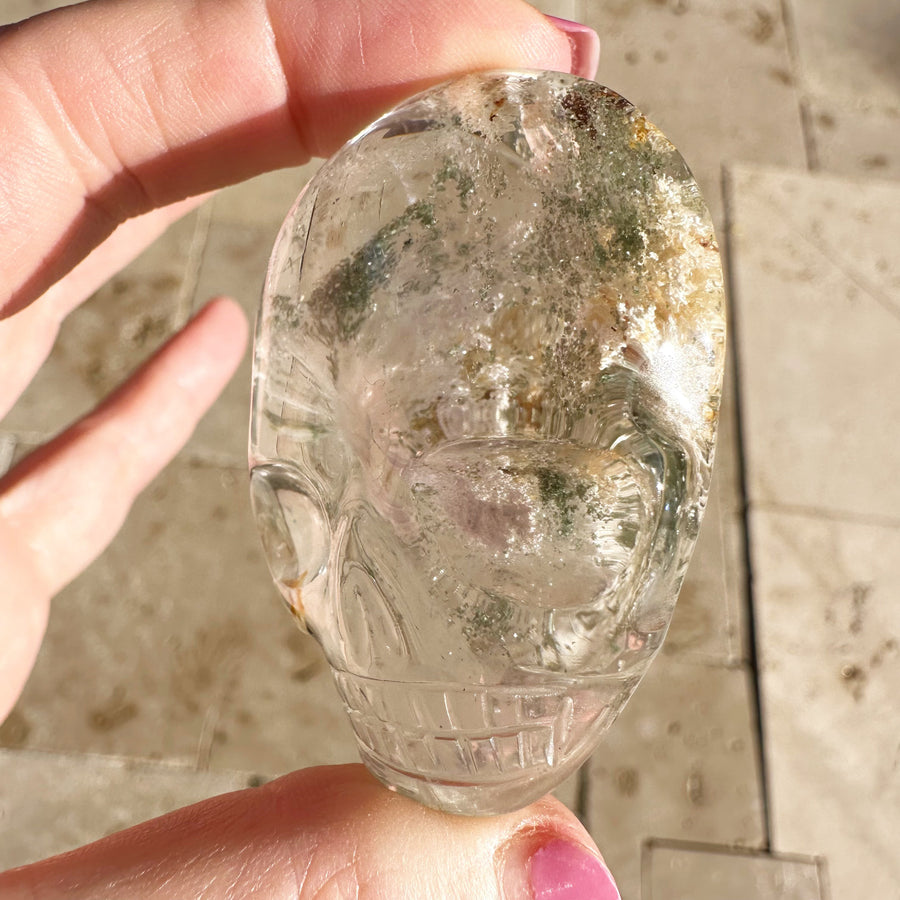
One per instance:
(116, 117)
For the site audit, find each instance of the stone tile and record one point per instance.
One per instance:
(852, 221)
(284, 714)
(54, 398)
(174, 645)
(828, 627)
(714, 76)
(50, 803)
(850, 141)
(817, 294)
(681, 764)
(683, 872)
(234, 263)
(818, 297)
(109, 335)
(850, 83)
(848, 51)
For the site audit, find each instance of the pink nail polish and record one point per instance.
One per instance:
(585, 44)
(564, 871)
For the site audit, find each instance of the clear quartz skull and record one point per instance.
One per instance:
(488, 365)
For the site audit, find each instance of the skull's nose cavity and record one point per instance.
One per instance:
(294, 528)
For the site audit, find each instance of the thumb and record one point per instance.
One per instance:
(329, 832)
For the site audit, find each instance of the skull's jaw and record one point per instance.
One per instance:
(467, 700)
(479, 749)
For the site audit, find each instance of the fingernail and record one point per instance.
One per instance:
(585, 44)
(563, 871)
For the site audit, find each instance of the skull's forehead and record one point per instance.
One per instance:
(529, 234)
(483, 255)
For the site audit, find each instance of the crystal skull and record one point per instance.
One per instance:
(487, 372)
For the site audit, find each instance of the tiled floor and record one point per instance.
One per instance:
(819, 424)
(678, 872)
(760, 758)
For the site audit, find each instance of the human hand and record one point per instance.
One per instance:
(330, 832)
(113, 115)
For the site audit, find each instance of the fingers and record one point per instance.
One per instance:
(110, 109)
(27, 338)
(330, 832)
(63, 504)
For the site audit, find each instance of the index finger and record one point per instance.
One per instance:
(113, 108)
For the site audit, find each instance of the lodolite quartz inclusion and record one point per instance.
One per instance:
(487, 373)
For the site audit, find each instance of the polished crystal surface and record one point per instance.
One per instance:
(487, 375)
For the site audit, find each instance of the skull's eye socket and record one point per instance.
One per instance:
(294, 530)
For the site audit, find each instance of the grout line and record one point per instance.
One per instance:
(22, 441)
(178, 765)
(7, 452)
(832, 515)
(209, 460)
(647, 868)
(813, 162)
(187, 300)
(205, 741)
(574, 10)
(688, 845)
(583, 792)
(732, 625)
(824, 879)
(741, 454)
(29, 437)
(579, 13)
